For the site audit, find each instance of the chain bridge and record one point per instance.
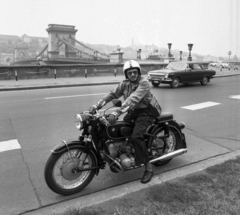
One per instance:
(62, 48)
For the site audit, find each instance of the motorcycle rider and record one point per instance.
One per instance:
(141, 107)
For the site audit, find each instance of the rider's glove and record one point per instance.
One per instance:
(97, 106)
(113, 117)
(93, 108)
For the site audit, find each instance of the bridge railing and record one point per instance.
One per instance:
(69, 70)
(72, 70)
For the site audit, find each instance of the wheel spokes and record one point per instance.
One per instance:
(62, 171)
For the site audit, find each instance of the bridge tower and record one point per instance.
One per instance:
(20, 52)
(56, 35)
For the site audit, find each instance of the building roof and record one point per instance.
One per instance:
(9, 37)
(34, 37)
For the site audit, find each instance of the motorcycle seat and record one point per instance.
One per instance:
(165, 116)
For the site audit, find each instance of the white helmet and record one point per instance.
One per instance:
(131, 64)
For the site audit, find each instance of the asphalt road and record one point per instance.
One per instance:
(39, 119)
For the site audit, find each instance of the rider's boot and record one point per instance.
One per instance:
(148, 174)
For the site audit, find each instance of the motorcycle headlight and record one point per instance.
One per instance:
(78, 121)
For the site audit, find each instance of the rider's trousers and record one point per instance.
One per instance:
(143, 119)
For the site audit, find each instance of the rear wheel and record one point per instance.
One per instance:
(59, 171)
(175, 82)
(155, 84)
(163, 146)
(204, 80)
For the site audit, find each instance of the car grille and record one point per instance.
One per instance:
(157, 76)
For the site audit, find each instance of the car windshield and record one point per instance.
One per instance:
(177, 66)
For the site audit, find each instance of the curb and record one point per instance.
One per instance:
(221, 76)
(124, 189)
(57, 86)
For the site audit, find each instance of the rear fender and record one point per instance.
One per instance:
(178, 128)
(174, 125)
(69, 144)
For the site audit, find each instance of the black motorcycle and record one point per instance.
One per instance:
(73, 164)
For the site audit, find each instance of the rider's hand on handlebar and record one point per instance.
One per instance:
(112, 119)
(93, 109)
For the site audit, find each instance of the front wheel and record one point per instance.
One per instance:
(155, 84)
(175, 82)
(160, 147)
(60, 175)
(204, 80)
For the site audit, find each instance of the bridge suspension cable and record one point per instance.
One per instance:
(82, 44)
(25, 54)
(59, 45)
(68, 44)
(42, 51)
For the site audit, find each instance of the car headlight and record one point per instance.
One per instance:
(78, 121)
(166, 76)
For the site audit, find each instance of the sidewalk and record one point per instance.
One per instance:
(24, 84)
(105, 197)
(27, 84)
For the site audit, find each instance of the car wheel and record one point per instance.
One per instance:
(155, 84)
(204, 81)
(175, 83)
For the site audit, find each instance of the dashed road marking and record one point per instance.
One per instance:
(9, 145)
(61, 97)
(235, 97)
(201, 105)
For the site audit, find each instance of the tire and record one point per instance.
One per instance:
(155, 84)
(69, 183)
(175, 82)
(174, 143)
(204, 81)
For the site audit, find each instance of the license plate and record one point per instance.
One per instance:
(156, 82)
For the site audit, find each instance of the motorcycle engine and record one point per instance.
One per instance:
(127, 160)
(124, 151)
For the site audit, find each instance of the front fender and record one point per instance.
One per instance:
(59, 148)
(66, 144)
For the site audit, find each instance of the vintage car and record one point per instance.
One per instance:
(181, 72)
(214, 64)
(220, 64)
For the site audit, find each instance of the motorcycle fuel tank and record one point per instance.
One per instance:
(120, 129)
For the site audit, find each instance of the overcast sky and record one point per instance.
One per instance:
(213, 26)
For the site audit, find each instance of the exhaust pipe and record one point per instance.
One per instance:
(170, 155)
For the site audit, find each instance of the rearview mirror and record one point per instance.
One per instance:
(117, 102)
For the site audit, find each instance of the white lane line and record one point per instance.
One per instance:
(201, 105)
(235, 97)
(60, 97)
(9, 145)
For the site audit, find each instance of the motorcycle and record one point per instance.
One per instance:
(73, 164)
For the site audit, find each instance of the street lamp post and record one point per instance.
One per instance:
(180, 55)
(139, 54)
(190, 45)
(169, 47)
(229, 53)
